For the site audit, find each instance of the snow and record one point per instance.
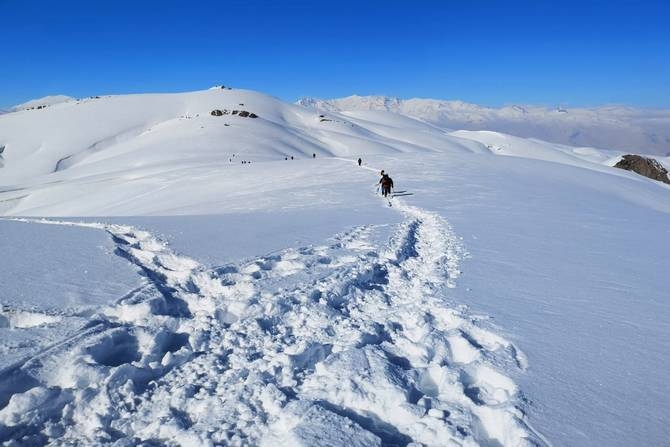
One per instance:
(177, 296)
(44, 102)
(72, 272)
(570, 262)
(607, 127)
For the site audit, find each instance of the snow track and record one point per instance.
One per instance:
(355, 343)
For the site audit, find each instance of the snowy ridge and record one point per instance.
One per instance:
(351, 343)
(99, 142)
(42, 102)
(607, 127)
(127, 155)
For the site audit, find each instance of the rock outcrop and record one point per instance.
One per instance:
(242, 113)
(644, 166)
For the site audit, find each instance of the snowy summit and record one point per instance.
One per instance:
(41, 102)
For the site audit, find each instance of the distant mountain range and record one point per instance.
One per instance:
(608, 127)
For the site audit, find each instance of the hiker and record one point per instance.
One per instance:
(379, 183)
(359, 161)
(314, 155)
(387, 184)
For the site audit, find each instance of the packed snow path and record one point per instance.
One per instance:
(347, 344)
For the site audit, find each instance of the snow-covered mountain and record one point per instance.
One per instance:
(41, 102)
(206, 277)
(98, 141)
(608, 127)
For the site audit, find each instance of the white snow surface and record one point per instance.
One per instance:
(45, 101)
(609, 127)
(158, 291)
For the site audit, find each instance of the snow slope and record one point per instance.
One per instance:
(608, 127)
(151, 142)
(45, 101)
(503, 300)
(570, 262)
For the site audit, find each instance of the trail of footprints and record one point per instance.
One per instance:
(357, 338)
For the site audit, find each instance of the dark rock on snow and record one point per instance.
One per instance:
(644, 166)
(242, 113)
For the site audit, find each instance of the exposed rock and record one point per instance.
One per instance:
(644, 166)
(2, 149)
(242, 113)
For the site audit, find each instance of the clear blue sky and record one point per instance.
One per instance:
(487, 52)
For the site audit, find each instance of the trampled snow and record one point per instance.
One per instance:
(178, 296)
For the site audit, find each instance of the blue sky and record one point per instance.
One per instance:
(487, 52)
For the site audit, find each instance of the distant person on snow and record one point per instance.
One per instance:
(314, 155)
(387, 184)
(359, 161)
